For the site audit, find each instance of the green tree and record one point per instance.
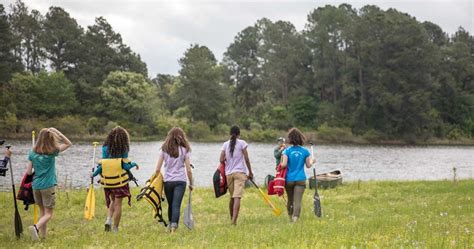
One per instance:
(48, 95)
(201, 89)
(127, 96)
(61, 38)
(26, 28)
(9, 63)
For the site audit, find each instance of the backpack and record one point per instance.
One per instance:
(220, 181)
(25, 193)
(277, 185)
(153, 193)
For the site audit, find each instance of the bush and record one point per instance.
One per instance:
(9, 124)
(222, 129)
(455, 134)
(255, 126)
(199, 130)
(334, 134)
(94, 125)
(164, 123)
(373, 136)
(71, 125)
(109, 126)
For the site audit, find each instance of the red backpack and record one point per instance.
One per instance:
(25, 193)
(220, 181)
(277, 185)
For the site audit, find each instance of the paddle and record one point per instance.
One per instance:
(35, 206)
(18, 224)
(89, 208)
(188, 214)
(276, 211)
(316, 199)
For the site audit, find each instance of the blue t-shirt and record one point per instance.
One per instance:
(45, 169)
(296, 160)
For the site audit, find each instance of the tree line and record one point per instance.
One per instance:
(378, 74)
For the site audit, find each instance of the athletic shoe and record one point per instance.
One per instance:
(115, 229)
(34, 233)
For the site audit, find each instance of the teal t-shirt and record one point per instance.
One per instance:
(45, 169)
(296, 160)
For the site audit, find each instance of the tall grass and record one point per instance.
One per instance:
(435, 214)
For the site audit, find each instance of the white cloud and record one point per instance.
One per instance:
(160, 31)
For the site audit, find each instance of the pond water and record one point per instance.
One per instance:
(355, 162)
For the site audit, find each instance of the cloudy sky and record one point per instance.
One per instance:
(160, 31)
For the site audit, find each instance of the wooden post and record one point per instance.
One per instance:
(454, 176)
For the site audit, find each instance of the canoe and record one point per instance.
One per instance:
(327, 180)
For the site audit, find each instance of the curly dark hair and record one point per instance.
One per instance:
(117, 142)
(295, 137)
(176, 137)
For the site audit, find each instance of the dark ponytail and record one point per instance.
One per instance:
(234, 133)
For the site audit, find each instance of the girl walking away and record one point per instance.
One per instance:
(42, 159)
(237, 169)
(295, 157)
(114, 170)
(175, 153)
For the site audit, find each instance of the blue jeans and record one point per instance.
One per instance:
(174, 192)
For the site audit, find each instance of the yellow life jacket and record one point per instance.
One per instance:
(153, 193)
(113, 175)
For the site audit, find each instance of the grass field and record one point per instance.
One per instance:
(434, 214)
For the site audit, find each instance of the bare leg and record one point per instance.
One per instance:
(235, 211)
(117, 211)
(42, 230)
(47, 215)
(231, 207)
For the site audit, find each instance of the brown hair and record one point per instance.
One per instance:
(47, 142)
(295, 137)
(117, 142)
(176, 137)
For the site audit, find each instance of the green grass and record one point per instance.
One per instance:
(432, 214)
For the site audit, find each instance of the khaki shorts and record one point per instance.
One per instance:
(45, 197)
(236, 184)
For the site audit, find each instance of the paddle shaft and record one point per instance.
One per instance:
(93, 161)
(265, 197)
(18, 227)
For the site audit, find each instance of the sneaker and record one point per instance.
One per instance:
(115, 229)
(107, 227)
(34, 233)
(294, 219)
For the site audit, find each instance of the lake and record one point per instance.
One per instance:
(356, 162)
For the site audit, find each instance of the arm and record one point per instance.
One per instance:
(189, 172)
(130, 165)
(98, 170)
(284, 161)
(309, 162)
(222, 157)
(159, 164)
(29, 168)
(247, 162)
(65, 141)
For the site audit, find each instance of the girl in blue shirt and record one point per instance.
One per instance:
(295, 157)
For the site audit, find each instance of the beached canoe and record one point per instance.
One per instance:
(327, 180)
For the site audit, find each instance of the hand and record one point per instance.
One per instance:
(8, 153)
(191, 187)
(250, 175)
(138, 167)
(312, 161)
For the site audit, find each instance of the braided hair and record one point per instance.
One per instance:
(234, 133)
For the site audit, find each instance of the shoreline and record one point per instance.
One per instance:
(354, 141)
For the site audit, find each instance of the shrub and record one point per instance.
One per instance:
(334, 134)
(222, 129)
(455, 134)
(199, 130)
(71, 125)
(373, 136)
(255, 126)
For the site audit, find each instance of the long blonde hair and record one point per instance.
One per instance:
(47, 142)
(176, 137)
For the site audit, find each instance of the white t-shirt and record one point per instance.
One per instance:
(236, 161)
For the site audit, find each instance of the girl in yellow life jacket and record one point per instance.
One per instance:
(113, 170)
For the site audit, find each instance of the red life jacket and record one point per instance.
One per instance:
(277, 185)
(25, 193)
(220, 181)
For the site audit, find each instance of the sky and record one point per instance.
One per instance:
(161, 31)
